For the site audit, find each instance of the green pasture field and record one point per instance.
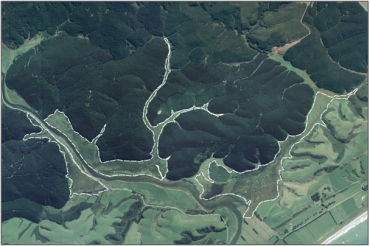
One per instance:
(88, 150)
(337, 181)
(341, 110)
(265, 207)
(8, 55)
(355, 147)
(321, 149)
(308, 214)
(353, 170)
(349, 206)
(361, 198)
(277, 216)
(164, 228)
(289, 164)
(301, 203)
(78, 231)
(347, 111)
(320, 182)
(305, 236)
(337, 212)
(321, 226)
(149, 233)
(345, 194)
(156, 196)
(301, 236)
(218, 173)
(133, 236)
(13, 225)
(176, 219)
(114, 197)
(272, 240)
(340, 199)
(293, 239)
(280, 242)
(230, 219)
(301, 173)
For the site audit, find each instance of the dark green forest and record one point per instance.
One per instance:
(33, 172)
(108, 57)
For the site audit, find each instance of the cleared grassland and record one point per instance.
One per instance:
(230, 220)
(342, 118)
(250, 236)
(356, 146)
(91, 224)
(280, 242)
(166, 227)
(90, 153)
(305, 235)
(265, 207)
(337, 212)
(277, 216)
(325, 174)
(272, 240)
(260, 185)
(321, 226)
(259, 227)
(293, 239)
(14, 98)
(133, 235)
(218, 173)
(8, 55)
(349, 206)
(337, 180)
(299, 169)
(306, 216)
(343, 195)
(10, 228)
(301, 236)
(81, 183)
(361, 199)
(156, 196)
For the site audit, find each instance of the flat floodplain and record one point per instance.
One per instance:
(183, 122)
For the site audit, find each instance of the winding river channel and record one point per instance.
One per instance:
(208, 206)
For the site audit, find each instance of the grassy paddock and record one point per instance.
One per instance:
(321, 226)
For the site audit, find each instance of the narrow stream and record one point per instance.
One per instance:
(223, 201)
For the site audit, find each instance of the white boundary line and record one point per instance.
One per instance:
(336, 97)
(34, 135)
(154, 153)
(177, 209)
(348, 227)
(43, 129)
(156, 141)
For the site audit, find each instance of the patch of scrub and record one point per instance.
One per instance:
(171, 226)
(218, 173)
(133, 235)
(83, 220)
(156, 196)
